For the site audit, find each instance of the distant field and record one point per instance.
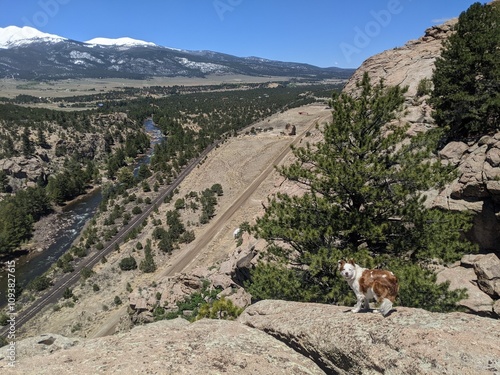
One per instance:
(10, 88)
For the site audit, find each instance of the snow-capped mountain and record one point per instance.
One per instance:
(125, 41)
(27, 53)
(13, 36)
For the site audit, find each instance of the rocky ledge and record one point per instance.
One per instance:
(278, 337)
(408, 341)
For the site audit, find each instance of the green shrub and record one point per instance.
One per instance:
(86, 273)
(424, 87)
(68, 267)
(39, 283)
(217, 189)
(220, 309)
(187, 237)
(80, 251)
(68, 293)
(127, 264)
(180, 204)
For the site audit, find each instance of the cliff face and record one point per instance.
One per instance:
(278, 337)
(407, 65)
(477, 187)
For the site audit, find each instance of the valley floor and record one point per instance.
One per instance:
(10, 88)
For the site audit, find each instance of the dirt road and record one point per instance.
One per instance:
(184, 259)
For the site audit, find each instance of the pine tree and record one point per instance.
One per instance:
(466, 79)
(4, 181)
(55, 189)
(148, 263)
(128, 263)
(41, 140)
(28, 146)
(363, 198)
(9, 149)
(16, 225)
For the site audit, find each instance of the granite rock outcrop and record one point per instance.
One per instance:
(477, 186)
(279, 337)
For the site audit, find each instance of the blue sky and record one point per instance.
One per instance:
(319, 32)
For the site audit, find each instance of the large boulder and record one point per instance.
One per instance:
(453, 152)
(239, 263)
(487, 269)
(173, 347)
(408, 341)
(479, 274)
(477, 301)
(43, 344)
(23, 171)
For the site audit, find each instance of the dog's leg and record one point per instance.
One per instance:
(376, 310)
(385, 307)
(366, 304)
(359, 304)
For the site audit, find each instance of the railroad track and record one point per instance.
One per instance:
(182, 261)
(55, 292)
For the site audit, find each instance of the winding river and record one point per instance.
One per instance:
(75, 214)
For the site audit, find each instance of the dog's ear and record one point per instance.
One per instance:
(352, 261)
(340, 264)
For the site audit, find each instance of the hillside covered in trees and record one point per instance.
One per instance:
(48, 157)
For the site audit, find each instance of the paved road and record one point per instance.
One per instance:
(183, 259)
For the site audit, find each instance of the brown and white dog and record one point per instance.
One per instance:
(367, 284)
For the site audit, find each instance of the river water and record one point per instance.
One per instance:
(76, 214)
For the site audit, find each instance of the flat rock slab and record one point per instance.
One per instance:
(408, 341)
(169, 347)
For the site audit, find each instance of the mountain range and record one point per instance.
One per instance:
(27, 53)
